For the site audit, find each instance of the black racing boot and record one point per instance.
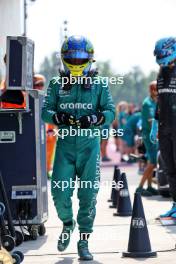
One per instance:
(83, 250)
(64, 238)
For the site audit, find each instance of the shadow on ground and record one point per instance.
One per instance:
(33, 245)
(70, 260)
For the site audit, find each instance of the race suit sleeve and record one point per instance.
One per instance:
(107, 106)
(50, 104)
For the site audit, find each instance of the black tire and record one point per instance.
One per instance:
(19, 238)
(16, 258)
(27, 237)
(29, 228)
(20, 254)
(41, 230)
(8, 242)
(34, 234)
(2, 208)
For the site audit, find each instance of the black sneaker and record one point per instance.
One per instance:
(83, 250)
(64, 238)
(143, 192)
(152, 190)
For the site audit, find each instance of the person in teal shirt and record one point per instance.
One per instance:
(122, 117)
(148, 114)
(130, 130)
(84, 107)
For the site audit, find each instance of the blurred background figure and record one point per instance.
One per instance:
(39, 82)
(50, 145)
(140, 149)
(131, 108)
(148, 115)
(122, 117)
(116, 137)
(130, 131)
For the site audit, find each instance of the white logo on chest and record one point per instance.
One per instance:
(75, 106)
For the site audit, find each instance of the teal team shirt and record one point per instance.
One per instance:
(131, 129)
(148, 113)
(122, 119)
(132, 121)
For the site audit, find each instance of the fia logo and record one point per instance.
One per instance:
(138, 222)
(124, 193)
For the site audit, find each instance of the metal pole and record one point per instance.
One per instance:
(63, 36)
(25, 17)
(65, 29)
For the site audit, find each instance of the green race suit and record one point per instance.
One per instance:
(77, 155)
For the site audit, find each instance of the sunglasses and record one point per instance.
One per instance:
(74, 61)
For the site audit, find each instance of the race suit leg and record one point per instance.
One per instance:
(173, 180)
(167, 143)
(88, 170)
(64, 172)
